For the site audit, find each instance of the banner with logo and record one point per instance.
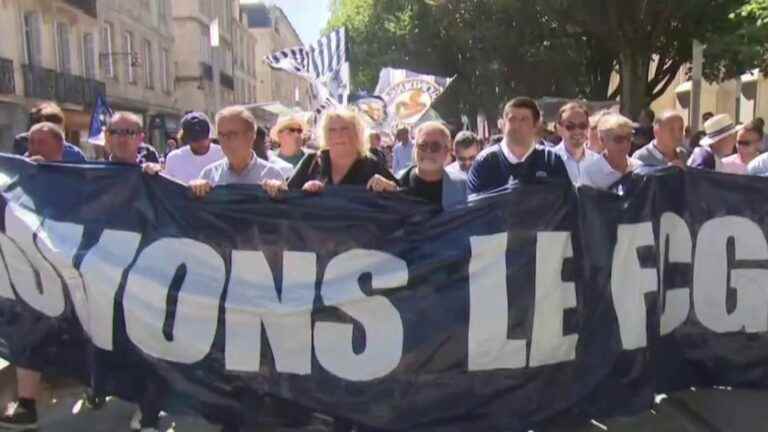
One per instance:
(378, 310)
(409, 95)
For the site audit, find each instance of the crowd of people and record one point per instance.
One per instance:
(430, 162)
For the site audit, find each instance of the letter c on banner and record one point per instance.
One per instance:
(381, 321)
(197, 308)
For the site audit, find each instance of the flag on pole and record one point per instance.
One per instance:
(325, 64)
(409, 95)
(99, 118)
(214, 32)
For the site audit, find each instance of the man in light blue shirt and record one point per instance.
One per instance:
(572, 126)
(402, 154)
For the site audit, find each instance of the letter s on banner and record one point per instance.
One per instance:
(47, 295)
(381, 321)
(197, 308)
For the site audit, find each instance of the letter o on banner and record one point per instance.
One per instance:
(197, 307)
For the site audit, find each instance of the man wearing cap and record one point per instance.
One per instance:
(288, 131)
(186, 163)
(718, 143)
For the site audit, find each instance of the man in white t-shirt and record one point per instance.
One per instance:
(186, 163)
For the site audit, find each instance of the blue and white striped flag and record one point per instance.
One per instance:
(409, 95)
(325, 64)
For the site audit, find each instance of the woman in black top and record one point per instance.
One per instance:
(343, 159)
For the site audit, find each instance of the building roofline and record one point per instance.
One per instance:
(290, 24)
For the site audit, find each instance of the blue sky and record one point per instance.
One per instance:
(307, 16)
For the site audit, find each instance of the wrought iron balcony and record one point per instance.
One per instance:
(70, 88)
(7, 80)
(227, 81)
(87, 6)
(206, 71)
(39, 82)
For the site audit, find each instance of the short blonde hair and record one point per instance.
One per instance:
(349, 116)
(53, 129)
(127, 115)
(283, 123)
(614, 123)
(238, 111)
(434, 126)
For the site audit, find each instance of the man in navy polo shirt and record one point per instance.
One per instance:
(517, 157)
(52, 113)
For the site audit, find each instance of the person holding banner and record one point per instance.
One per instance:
(517, 157)
(343, 159)
(572, 125)
(237, 130)
(719, 142)
(52, 113)
(46, 144)
(615, 132)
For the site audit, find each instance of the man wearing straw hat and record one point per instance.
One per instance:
(719, 142)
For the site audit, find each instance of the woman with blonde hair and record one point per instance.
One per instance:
(343, 159)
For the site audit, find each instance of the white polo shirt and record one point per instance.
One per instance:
(599, 174)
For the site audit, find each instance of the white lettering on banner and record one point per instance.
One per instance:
(630, 283)
(252, 300)
(677, 301)
(45, 294)
(553, 296)
(58, 242)
(711, 273)
(102, 269)
(197, 307)
(489, 347)
(381, 321)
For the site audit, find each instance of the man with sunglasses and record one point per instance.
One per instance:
(517, 158)
(573, 127)
(749, 141)
(289, 131)
(615, 133)
(667, 146)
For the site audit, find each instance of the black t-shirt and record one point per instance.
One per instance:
(414, 185)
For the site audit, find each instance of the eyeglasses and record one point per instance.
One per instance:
(228, 136)
(621, 139)
(570, 127)
(293, 130)
(123, 132)
(745, 142)
(430, 146)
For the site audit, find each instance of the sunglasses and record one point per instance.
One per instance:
(570, 127)
(744, 142)
(294, 130)
(430, 146)
(123, 132)
(621, 139)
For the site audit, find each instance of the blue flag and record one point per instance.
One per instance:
(101, 112)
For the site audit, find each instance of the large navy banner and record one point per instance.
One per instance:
(379, 310)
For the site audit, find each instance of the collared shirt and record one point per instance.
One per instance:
(759, 166)
(511, 157)
(258, 170)
(402, 156)
(573, 165)
(599, 174)
(72, 153)
(734, 165)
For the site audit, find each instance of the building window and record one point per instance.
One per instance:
(107, 65)
(62, 47)
(162, 11)
(32, 40)
(148, 65)
(129, 56)
(165, 73)
(205, 47)
(89, 57)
